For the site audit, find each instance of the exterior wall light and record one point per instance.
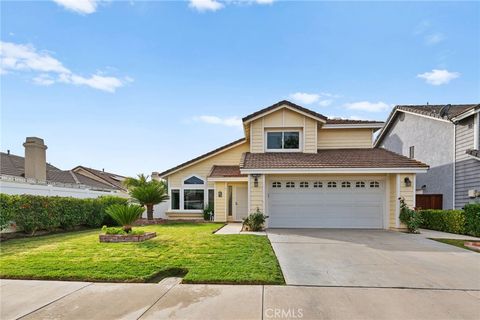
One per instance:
(255, 180)
(407, 181)
(220, 194)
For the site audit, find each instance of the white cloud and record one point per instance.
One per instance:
(228, 122)
(205, 5)
(264, 1)
(325, 103)
(438, 77)
(49, 70)
(305, 98)
(43, 80)
(434, 38)
(79, 6)
(368, 106)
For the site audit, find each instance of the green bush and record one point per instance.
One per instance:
(255, 221)
(472, 219)
(103, 203)
(32, 213)
(207, 213)
(411, 218)
(452, 221)
(6, 212)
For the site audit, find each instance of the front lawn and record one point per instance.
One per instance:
(179, 248)
(454, 242)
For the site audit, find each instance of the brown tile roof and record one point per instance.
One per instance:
(166, 172)
(348, 121)
(473, 152)
(113, 179)
(329, 158)
(14, 165)
(449, 111)
(288, 103)
(225, 171)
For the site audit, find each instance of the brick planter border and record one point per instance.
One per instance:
(474, 245)
(127, 237)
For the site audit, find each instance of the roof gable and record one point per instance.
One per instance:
(285, 104)
(446, 113)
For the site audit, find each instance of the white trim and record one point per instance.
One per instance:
(397, 202)
(466, 114)
(454, 163)
(228, 179)
(251, 129)
(353, 126)
(264, 200)
(204, 158)
(414, 183)
(333, 170)
(248, 194)
(304, 133)
(283, 130)
(284, 106)
(476, 127)
(263, 131)
(225, 196)
(386, 216)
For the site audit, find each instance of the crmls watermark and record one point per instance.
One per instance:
(280, 313)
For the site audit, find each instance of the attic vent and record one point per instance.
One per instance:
(444, 110)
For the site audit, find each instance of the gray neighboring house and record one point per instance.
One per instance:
(446, 137)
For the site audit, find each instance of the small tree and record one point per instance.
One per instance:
(125, 215)
(147, 192)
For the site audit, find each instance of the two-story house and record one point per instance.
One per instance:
(447, 138)
(301, 169)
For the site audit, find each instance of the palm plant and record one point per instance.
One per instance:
(147, 192)
(125, 215)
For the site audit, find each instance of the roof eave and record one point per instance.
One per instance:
(333, 170)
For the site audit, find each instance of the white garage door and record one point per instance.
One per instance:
(326, 203)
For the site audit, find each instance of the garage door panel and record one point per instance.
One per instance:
(326, 207)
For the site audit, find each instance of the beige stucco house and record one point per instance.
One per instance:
(301, 169)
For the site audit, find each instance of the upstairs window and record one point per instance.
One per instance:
(411, 152)
(193, 180)
(283, 140)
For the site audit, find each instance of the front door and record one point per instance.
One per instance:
(241, 203)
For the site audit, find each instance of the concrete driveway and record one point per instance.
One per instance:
(372, 258)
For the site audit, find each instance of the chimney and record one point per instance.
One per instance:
(35, 158)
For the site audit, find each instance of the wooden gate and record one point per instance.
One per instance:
(429, 201)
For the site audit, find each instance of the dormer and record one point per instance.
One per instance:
(283, 127)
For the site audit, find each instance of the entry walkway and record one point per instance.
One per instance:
(29, 299)
(236, 228)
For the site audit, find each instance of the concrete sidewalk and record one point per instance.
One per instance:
(168, 300)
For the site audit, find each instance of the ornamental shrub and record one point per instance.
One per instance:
(6, 212)
(472, 219)
(452, 221)
(255, 221)
(32, 213)
(411, 218)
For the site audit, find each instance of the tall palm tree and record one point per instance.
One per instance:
(147, 192)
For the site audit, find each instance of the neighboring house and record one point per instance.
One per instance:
(299, 168)
(33, 175)
(447, 138)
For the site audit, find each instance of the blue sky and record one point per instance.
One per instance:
(142, 86)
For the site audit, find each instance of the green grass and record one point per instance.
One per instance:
(454, 242)
(179, 249)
